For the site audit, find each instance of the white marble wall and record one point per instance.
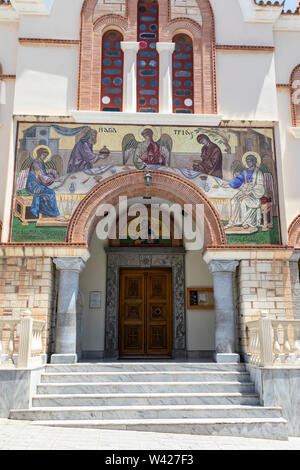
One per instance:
(280, 387)
(17, 388)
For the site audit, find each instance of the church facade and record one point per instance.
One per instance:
(194, 103)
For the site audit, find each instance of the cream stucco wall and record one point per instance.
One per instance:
(93, 278)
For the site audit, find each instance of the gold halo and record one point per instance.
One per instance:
(156, 133)
(255, 154)
(34, 153)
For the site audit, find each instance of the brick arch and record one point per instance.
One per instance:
(204, 54)
(131, 183)
(90, 60)
(89, 81)
(294, 233)
(295, 75)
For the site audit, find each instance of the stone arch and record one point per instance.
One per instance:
(294, 233)
(131, 183)
(295, 75)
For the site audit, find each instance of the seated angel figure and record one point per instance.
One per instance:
(246, 204)
(37, 185)
(147, 152)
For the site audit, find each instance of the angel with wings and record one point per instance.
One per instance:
(40, 175)
(147, 152)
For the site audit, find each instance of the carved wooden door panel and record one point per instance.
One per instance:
(145, 313)
(158, 313)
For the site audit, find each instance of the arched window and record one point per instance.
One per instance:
(183, 75)
(147, 60)
(295, 96)
(112, 72)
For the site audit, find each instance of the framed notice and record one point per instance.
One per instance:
(200, 298)
(95, 299)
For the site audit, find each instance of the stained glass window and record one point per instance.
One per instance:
(112, 72)
(147, 60)
(183, 76)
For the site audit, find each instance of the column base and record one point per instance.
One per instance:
(230, 358)
(63, 358)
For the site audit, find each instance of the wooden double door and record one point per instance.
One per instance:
(145, 323)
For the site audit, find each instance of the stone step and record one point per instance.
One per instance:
(150, 376)
(260, 428)
(144, 387)
(144, 412)
(145, 399)
(144, 367)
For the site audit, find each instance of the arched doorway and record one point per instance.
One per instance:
(145, 265)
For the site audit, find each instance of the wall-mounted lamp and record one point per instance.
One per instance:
(148, 178)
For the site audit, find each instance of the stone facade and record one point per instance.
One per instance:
(27, 283)
(264, 286)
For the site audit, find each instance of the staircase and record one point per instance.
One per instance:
(173, 397)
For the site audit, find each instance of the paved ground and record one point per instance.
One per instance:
(22, 435)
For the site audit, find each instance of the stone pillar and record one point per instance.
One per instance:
(165, 50)
(130, 50)
(295, 283)
(222, 272)
(65, 345)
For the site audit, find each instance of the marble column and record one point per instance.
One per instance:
(222, 272)
(165, 50)
(130, 50)
(295, 283)
(65, 344)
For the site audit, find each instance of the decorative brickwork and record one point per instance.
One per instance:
(294, 233)
(188, 9)
(125, 20)
(27, 283)
(166, 186)
(108, 7)
(264, 287)
(295, 77)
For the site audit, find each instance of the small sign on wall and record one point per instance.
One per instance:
(200, 298)
(95, 299)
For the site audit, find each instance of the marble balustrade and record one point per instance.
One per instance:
(274, 342)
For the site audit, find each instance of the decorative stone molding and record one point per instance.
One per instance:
(32, 7)
(231, 252)
(222, 266)
(145, 258)
(264, 13)
(95, 117)
(295, 132)
(69, 264)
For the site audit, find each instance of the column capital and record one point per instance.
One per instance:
(69, 264)
(223, 266)
(165, 47)
(130, 46)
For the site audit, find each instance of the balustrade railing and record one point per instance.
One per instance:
(274, 342)
(21, 341)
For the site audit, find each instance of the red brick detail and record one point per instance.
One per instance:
(204, 44)
(295, 75)
(132, 184)
(294, 233)
(204, 50)
(89, 82)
